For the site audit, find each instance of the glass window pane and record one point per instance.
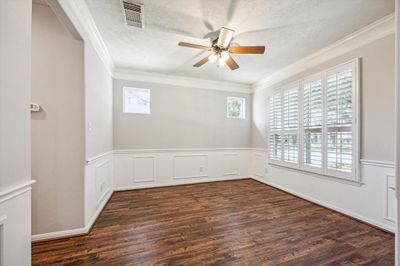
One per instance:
(290, 147)
(236, 107)
(275, 147)
(136, 100)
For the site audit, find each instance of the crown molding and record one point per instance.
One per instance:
(81, 18)
(375, 31)
(142, 76)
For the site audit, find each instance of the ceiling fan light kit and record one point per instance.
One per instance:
(221, 50)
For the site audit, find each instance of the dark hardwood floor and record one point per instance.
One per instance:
(239, 222)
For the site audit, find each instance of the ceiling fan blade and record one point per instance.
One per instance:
(195, 46)
(201, 62)
(247, 50)
(232, 63)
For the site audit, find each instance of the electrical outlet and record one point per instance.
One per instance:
(201, 169)
(266, 170)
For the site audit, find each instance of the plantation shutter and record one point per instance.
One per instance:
(290, 125)
(312, 123)
(275, 118)
(340, 120)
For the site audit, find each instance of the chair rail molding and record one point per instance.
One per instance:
(377, 163)
(15, 191)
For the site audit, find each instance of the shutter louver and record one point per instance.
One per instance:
(275, 147)
(291, 108)
(290, 125)
(339, 121)
(275, 115)
(275, 112)
(312, 123)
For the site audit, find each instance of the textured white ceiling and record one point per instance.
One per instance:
(291, 30)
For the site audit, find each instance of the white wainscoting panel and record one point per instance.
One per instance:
(190, 166)
(98, 186)
(259, 163)
(366, 202)
(15, 225)
(391, 198)
(176, 166)
(231, 163)
(143, 169)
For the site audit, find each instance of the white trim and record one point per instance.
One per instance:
(76, 231)
(2, 224)
(188, 82)
(388, 176)
(59, 234)
(329, 206)
(364, 36)
(135, 180)
(96, 167)
(78, 12)
(97, 157)
(182, 181)
(100, 208)
(128, 151)
(189, 176)
(15, 191)
(377, 163)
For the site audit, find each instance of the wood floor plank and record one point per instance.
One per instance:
(239, 222)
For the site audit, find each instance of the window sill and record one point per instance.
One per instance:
(316, 173)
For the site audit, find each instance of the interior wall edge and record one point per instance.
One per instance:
(79, 14)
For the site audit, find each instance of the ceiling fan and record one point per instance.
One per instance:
(222, 49)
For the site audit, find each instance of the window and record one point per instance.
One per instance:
(136, 100)
(313, 124)
(236, 107)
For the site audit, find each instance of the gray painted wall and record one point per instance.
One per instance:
(377, 100)
(98, 104)
(58, 132)
(180, 118)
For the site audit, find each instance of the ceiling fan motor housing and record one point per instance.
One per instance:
(224, 38)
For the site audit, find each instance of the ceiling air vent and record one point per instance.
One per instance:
(133, 13)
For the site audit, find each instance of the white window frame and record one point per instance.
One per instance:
(243, 109)
(353, 176)
(125, 88)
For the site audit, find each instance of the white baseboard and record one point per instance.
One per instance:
(59, 234)
(76, 231)
(186, 182)
(329, 206)
(93, 219)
